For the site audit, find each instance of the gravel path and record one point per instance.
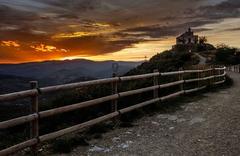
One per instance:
(203, 60)
(209, 125)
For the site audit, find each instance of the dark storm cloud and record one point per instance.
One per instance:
(11, 16)
(192, 18)
(95, 45)
(157, 31)
(226, 9)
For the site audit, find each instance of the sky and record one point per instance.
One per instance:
(129, 30)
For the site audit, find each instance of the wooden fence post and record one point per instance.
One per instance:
(212, 81)
(114, 91)
(34, 127)
(199, 75)
(210, 74)
(224, 71)
(203, 73)
(180, 77)
(155, 83)
(219, 73)
(213, 74)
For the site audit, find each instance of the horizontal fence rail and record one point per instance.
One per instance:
(215, 76)
(234, 68)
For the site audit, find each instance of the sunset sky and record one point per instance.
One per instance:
(38, 30)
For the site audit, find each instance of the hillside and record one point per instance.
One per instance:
(175, 59)
(9, 83)
(17, 76)
(166, 61)
(68, 67)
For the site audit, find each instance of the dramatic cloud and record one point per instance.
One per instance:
(47, 48)
(10, 44)
(98, 27)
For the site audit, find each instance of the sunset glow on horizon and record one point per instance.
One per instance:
(109, 30)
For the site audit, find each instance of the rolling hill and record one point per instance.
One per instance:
(16, 76)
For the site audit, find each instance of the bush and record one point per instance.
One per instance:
(228, 56)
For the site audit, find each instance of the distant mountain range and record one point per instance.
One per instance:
(57, 72)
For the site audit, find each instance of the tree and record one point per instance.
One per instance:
(203, 40)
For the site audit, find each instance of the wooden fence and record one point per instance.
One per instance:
(234, 68)
(215, 76)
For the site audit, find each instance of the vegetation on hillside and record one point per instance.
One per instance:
(166, 61)
(227, 55)
(221, 55)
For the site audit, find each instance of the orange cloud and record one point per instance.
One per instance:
(10, 44)
(101, 24)
(73, 35)
(47, 48)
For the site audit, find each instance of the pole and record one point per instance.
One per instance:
(155, 83)
(180, 77)
(114, 91)
(34, 126)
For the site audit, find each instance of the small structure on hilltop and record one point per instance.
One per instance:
(187, 41)
(187, 38)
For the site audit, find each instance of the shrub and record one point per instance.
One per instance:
(227, 55)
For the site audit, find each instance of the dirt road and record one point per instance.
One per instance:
(207, 125)
(202, 59)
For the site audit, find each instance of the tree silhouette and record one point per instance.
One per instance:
(202, 39)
